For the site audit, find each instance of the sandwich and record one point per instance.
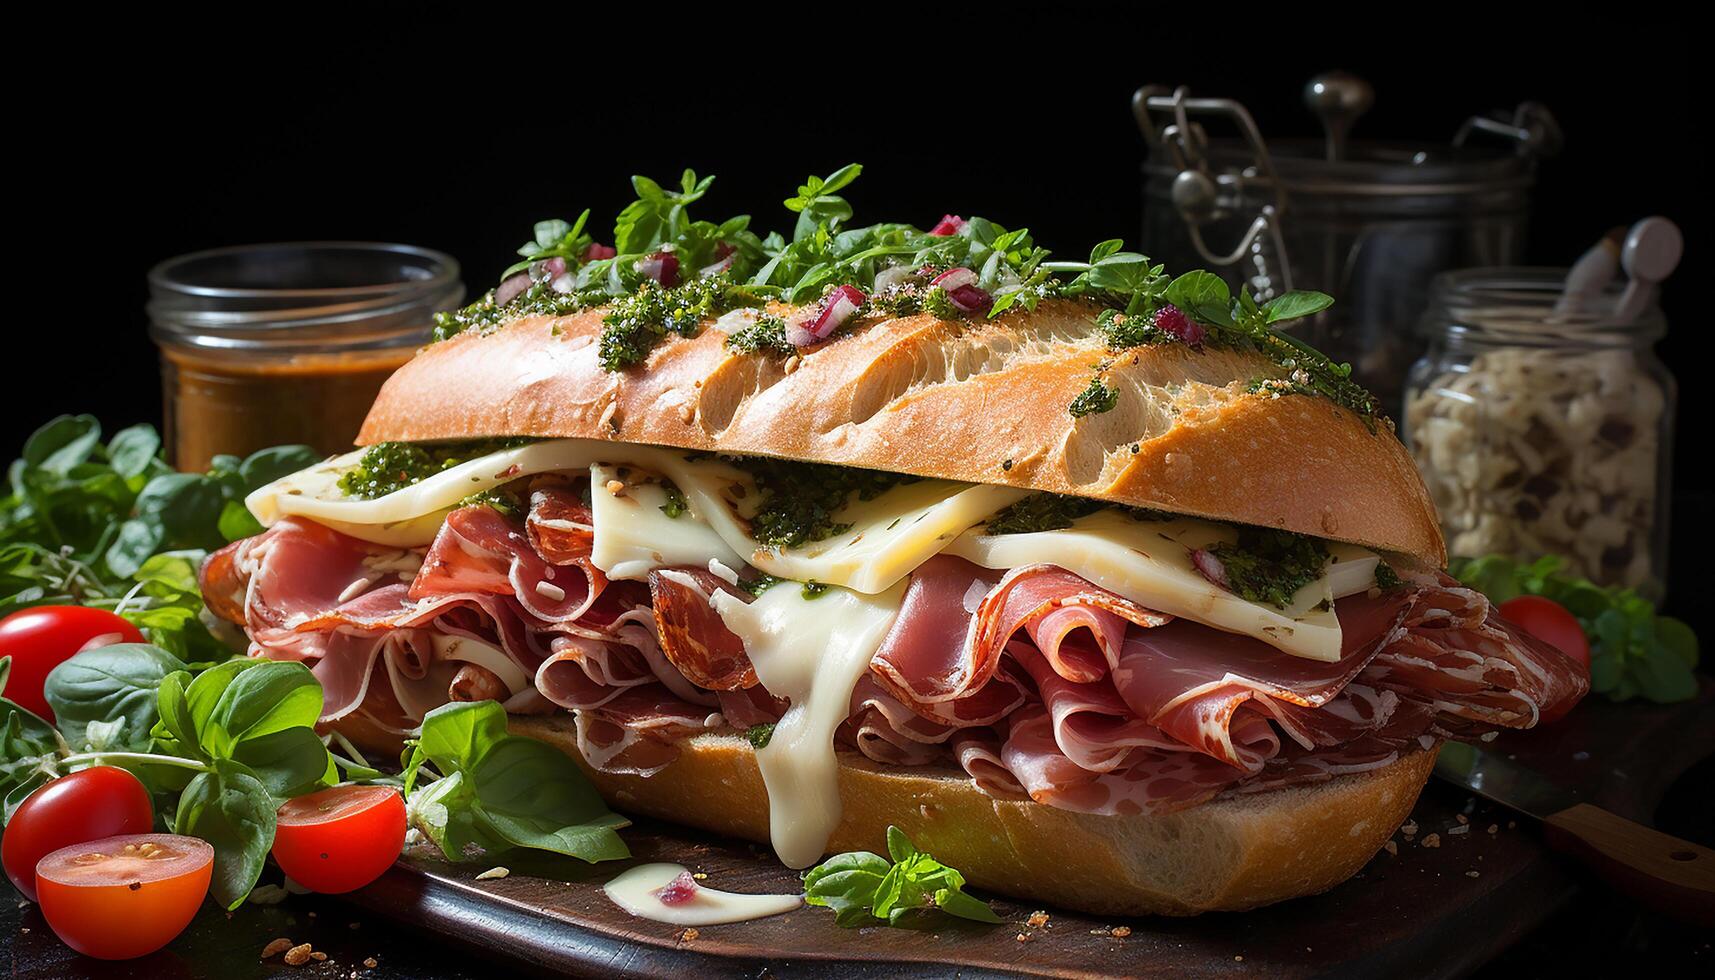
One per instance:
(1091, 579)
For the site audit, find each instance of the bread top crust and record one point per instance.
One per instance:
(979, 402)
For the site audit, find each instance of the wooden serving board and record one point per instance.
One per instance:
(1421, 912)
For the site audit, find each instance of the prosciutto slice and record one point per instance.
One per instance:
(692, 634)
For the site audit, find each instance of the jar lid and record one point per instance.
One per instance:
(301, 296)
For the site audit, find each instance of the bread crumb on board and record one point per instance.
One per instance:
(371, 962)
(275, 948)
(1431, 840)
(1037, 919)
(689, 935)
(1120, 932)
(493, 873)
(298, 955)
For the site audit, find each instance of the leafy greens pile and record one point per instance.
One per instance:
(1633, 652)
(111, 525)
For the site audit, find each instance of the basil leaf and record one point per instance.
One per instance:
(1677, 639)
(1295, 305)
(232, 810)
(264, 466)
(132, 451)
(111, 683)
(532, 795)
(289, 762)
(237, 522)
(1203, 296)
(957, 903)
(268, 697)
(457, 735)
(899, 846)
(62, 443)
(1663, 677)
(186, 506)
(137, 540)
(175, 728)
(852, 862)
(445, 812)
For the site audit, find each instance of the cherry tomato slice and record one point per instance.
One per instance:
(1551, 623)
(90, 804)
(40, 638)
(124, 897)
(340, 839)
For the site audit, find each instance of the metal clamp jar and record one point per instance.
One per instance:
(1545, 432)
(264, 345)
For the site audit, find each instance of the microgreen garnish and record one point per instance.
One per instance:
(660, 247)
(759, 735)
(864, 888)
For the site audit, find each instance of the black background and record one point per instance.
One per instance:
(136, 138)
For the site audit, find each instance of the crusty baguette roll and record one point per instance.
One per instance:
(982, 402)
(1227, 855)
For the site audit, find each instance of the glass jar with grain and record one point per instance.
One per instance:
(264, 345)
(1542, 431)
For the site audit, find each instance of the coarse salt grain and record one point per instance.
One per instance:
(1455, 831)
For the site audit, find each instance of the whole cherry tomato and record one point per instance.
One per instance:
(340, 839)
(90, 804)
(1550, 622)
(40, 638)
(124, 897)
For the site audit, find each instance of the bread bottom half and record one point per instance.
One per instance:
(1230, 854)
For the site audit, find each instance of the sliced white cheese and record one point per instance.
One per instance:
(467, 650)
(633, 535)
(812, 652)
(1149, 562)
(889, 535)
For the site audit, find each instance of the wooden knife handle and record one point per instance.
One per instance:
(1675, 877)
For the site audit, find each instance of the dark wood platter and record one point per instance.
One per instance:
(1415, 910)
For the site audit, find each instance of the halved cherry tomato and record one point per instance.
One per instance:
(1551, 623)
(90, 804)
(340, 839)
(40, 638)
(124, 897)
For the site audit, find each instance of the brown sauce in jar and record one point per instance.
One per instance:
(237, 406)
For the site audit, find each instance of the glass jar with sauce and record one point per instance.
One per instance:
(1545, 432)
(264, 345)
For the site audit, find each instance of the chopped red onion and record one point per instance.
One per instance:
(663, 267)
(1172, 320)
(954, 278)
(725, 256)
(511, 288)
(961, 288)
(596, 251)
(679, 891)
(548, 269)
(951, 224)
(837, 307)
(1212, 568)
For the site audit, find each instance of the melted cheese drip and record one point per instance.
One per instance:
(1149, 562)
(638, 891)
(813, 652)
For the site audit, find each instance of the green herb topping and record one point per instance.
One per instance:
(1387, 579)
(1271, 566)
(639, 321)
(675, 507)
(800, 499)
(759, 735)
(1042, 512)
(865, 889)
(1094, 400)
(389, 466)
(764, 335)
